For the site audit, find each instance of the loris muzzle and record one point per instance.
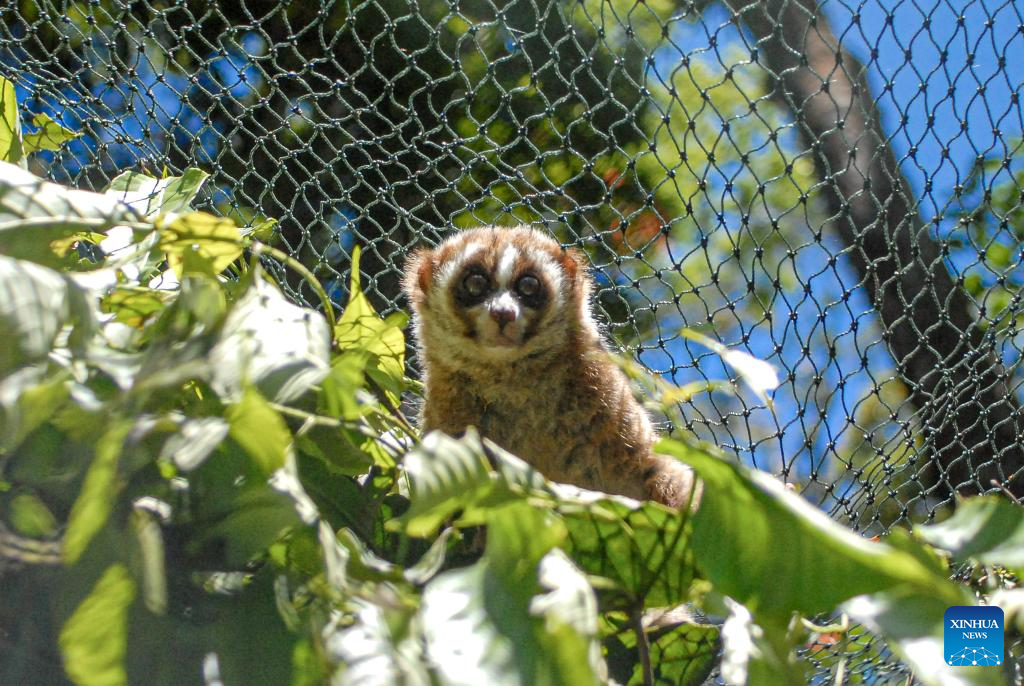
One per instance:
(507, 343)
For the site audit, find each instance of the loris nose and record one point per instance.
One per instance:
(502, 315)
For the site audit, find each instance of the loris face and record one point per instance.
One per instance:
(494, 293)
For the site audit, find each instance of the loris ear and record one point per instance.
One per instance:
(419, 270)
(574, 262)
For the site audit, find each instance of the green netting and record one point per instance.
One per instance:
(835, 187)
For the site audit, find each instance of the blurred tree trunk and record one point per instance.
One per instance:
(971, 418)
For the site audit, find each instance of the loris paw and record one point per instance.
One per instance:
(673, 484)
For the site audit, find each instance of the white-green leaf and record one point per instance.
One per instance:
(194, 442)
(35, 305)
(281, 348)
(94, 639)
(528, 618)
(373, 651)
(152, 196)
(35, 212)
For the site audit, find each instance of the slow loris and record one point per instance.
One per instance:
(508, 344)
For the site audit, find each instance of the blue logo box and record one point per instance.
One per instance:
(973, 636)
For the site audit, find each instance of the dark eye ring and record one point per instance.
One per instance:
(528, 286)
(476, 284)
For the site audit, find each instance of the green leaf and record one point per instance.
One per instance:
(30, 517)
(682, 656)
(152, 196)
(772, 551)
(96, 500)
(198, 242)
(988, 529)
(35, 212)
(94, 639)
(49, 135)
(10, 125)
(361, 329)
(260, 430)
(643, 548)
(267, 341)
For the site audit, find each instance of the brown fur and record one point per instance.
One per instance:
(556, 399)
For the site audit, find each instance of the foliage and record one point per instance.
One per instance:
(202, 480)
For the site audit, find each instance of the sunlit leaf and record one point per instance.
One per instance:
(200, 242)
(381, 648)
(10, 125)
(94, 639)
(912, 624)
(194, 442)
(49, 135)
(513, 620)
(361, 329)
(150, 541)
(35, 304)
(28, 397)
(752, 655)
(134, 305)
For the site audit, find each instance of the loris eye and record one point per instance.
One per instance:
(527, 286)
(476, 284)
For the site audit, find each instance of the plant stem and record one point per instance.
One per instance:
(642, 645)
(259, 248)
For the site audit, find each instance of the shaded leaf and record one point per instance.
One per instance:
(30, 517)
